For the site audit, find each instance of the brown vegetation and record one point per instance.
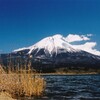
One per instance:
(21, 83)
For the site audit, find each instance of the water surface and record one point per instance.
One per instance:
(71, 87)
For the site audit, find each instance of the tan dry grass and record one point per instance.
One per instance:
(5, 96)
(21, 84)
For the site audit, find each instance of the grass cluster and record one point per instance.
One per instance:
(21, 83)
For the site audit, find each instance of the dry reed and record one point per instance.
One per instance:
(22, 83)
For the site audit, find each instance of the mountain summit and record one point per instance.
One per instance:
(52, 44)
(54, 52)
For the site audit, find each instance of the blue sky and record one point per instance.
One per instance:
(24, 22)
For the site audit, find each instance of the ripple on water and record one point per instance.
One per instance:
(71, 87)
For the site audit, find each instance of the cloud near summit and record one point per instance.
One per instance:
(75, 37)
(88, 46)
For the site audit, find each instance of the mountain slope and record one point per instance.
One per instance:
(51, 44)
(54, 52)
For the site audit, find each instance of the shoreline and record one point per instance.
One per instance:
(91, 73)
(6, 96)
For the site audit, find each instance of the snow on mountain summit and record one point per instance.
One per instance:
(51, 44)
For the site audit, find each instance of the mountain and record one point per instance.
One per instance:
(54, 52)
(50, 44)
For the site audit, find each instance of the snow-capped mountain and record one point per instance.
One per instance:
(55, 51)
(51, 44)
(51, 47)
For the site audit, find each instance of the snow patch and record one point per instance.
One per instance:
(51, 44)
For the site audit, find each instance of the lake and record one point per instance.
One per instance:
(71, 87)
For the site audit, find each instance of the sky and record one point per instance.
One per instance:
(25, 22)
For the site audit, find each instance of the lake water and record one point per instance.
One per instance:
(71, 87)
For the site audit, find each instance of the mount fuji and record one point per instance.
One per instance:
(55, 52)
(50, 45)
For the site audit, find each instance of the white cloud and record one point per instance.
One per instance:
(88, 46)
(75, 37)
